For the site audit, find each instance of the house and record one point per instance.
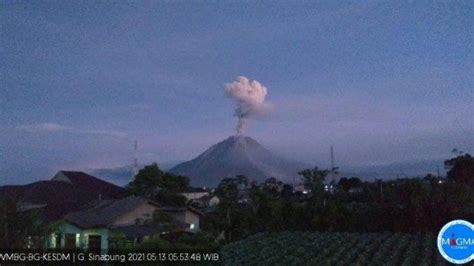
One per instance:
(201, 198)
(205, 202)
(195, 193)
(213, 201)
(88, 213)
(302, 188)
(66, 192)
(104, 223)
(93, 227)
(187, 215)
(209, 201)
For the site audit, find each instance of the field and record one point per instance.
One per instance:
(314, 248)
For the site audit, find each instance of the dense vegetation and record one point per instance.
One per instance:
(382, 221)
(18, 225)
(404, 205)
(314, 248)
(152, 182)
(410, 205)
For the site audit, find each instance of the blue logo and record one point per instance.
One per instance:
(456, 241)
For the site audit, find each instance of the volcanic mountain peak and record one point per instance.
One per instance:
(236, 155)
(237, 143)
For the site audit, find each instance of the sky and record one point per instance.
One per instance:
(381, 81)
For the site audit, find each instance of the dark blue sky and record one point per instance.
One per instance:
(381, 81)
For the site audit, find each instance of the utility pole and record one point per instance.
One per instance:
(135, 160)
(333, 169)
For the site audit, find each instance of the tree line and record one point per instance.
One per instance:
(408, 205)
(404, 205)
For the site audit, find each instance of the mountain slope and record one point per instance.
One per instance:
(237, 155)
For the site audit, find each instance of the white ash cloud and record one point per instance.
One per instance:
(249, 96)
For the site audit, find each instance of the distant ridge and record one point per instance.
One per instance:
(122, 175)
(237, 155)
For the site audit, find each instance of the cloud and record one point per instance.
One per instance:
(54, 127)
(43, 127)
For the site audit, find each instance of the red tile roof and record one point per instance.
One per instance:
(63, 197)
(88, 182)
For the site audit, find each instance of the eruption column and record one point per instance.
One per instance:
(249, 97)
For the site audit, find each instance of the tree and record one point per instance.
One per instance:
(242, 180)
(461, 169)
(314, 178)
(346, 184)
(286, 191)
(168, 198)
(19, 228)
(228, 189)
(151, 179)
(163, 222)
(228, 209)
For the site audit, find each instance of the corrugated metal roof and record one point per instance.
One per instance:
(104, 213)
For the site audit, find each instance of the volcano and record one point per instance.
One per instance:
(237, 155)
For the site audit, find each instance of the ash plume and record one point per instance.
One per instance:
(249, 96)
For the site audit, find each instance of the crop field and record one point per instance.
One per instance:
(314, 248)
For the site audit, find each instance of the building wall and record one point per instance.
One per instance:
(180, 216)
(188, 217)
(192, 219)
(144, 211)
(214, 201)
(82, 236)
(60, 231)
